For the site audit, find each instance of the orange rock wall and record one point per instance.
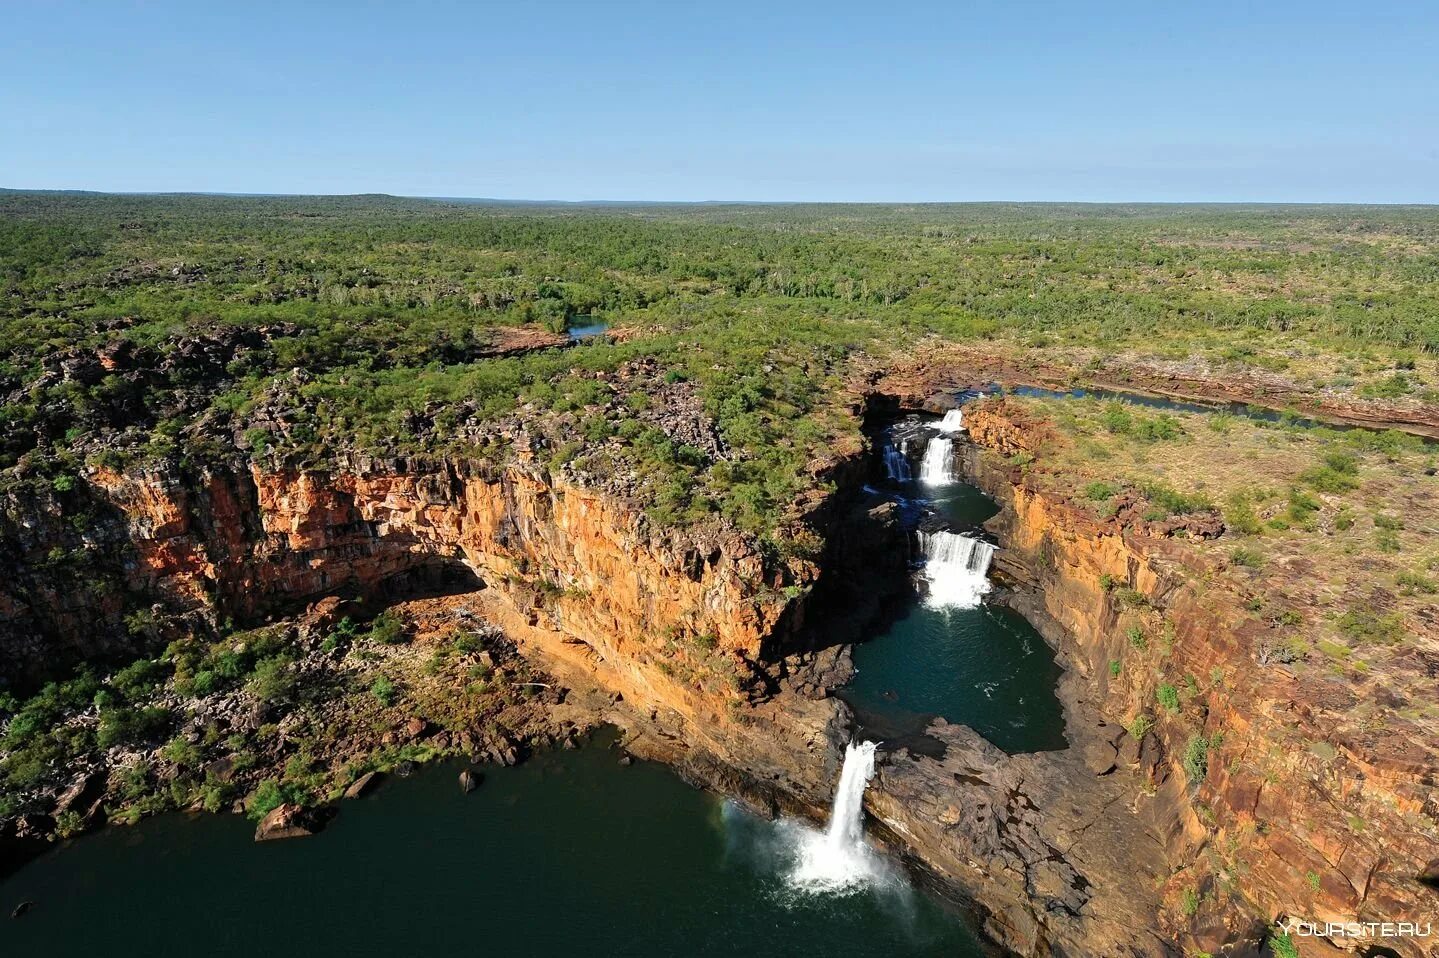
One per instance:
(1273, 819)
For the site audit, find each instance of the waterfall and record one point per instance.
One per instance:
(896, 464)
(956, 567)
(952, 422)
(837, 859)
(937, 467)
(846, 815)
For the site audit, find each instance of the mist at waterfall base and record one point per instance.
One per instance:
(946, 652)
(835, 860)
(566, 854)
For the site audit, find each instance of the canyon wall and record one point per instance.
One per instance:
(1298, 811)
(689, 629)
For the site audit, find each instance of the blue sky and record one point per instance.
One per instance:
(1278, 100)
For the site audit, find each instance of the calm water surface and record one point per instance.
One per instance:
(568, 854)
(984, 667)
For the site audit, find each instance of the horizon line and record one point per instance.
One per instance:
(453, 198)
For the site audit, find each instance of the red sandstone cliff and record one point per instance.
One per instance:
(1302, 811)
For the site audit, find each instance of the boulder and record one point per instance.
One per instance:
(222, 769)
(288, 821)
(1099, 757)
(469, 781)
(82, 793)
(363, 785)
(1128, 751)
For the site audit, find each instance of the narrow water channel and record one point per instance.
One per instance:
(960, 658)
(567, 854)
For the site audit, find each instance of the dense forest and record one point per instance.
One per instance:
(299, 326)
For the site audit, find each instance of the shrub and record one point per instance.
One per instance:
(1114, 668)
(1393, 387)
(1116, 418)
(1301, 505)
(273, 680)
(139, 678)
(1163, 427)
(1365, 625)
(1099, 491)
(69, 823)
(1283, 946)
(340, 635)
(271, 794)
(384, 690)
(180, 752)
(1139, 726)
(467, 642)
(1189, 902)
(1411, 583)
(1196, 758)
(126, 725)
(1239, 515)
(387, 629)
(1130, 598)
(1329, 480)
(1245, 557)
(1173, 502)
(1136, 637)
(1168, 697)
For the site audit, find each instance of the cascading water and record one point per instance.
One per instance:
(896, 463)
(837, 859)
(952, 422)
(937, 467)
(956, 567)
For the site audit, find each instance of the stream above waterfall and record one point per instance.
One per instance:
(943, 651)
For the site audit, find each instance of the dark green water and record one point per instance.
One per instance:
(984, 667)
(568, 854)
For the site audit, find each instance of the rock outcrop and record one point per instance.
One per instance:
(1278, 822)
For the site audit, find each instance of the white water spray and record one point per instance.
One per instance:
(956, 567)
(952, 422)
(937, 467)
(837, 860)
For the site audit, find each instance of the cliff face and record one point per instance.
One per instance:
(687, 629)
(1296, 809)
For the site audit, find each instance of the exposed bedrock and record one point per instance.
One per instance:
(705, 640)
(717, 654)
(1269, 828)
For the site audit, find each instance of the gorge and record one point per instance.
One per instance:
(984, 640)
(781, 752)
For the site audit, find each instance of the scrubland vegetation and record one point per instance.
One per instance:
(387, 307)
(1333, 534)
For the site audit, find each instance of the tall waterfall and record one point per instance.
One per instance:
(837, 859)
(957, 568)
(952, 422)
(896, 464)
(937, 467)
